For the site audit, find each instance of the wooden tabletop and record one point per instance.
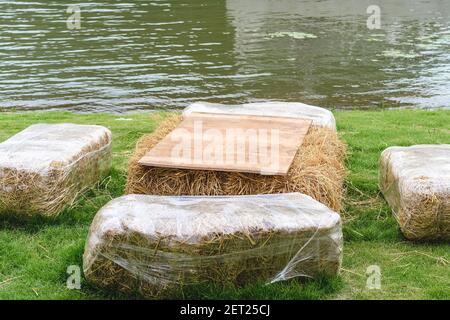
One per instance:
(236, 143)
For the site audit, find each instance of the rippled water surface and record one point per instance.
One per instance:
(135, 55)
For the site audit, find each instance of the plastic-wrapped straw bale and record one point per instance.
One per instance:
(320, 117)
(156, 245)
(318, 169)
(44, 167)
(415, 181)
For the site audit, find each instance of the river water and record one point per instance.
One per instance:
(149, 54)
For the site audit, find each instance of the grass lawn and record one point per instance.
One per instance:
(34, 256)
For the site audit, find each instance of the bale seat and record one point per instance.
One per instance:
(45, 166)
(320, 117)
(415, 181)
(156, 245)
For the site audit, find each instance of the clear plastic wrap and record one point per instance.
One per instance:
(415, 181)
(44, 167)
(320, 117)
(155, 245)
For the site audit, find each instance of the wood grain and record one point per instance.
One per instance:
(237, 143)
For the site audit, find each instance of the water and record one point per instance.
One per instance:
(138, 55)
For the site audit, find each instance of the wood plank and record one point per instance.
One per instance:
(236, 143)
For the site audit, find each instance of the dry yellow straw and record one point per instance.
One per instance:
(317, 170)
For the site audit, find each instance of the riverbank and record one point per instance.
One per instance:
(35, 256)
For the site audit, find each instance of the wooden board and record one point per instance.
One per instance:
(237, 143)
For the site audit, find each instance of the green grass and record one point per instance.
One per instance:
(34, 256)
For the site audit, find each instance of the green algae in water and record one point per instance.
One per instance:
(427, 46)
(393, 53)
(293, 34)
